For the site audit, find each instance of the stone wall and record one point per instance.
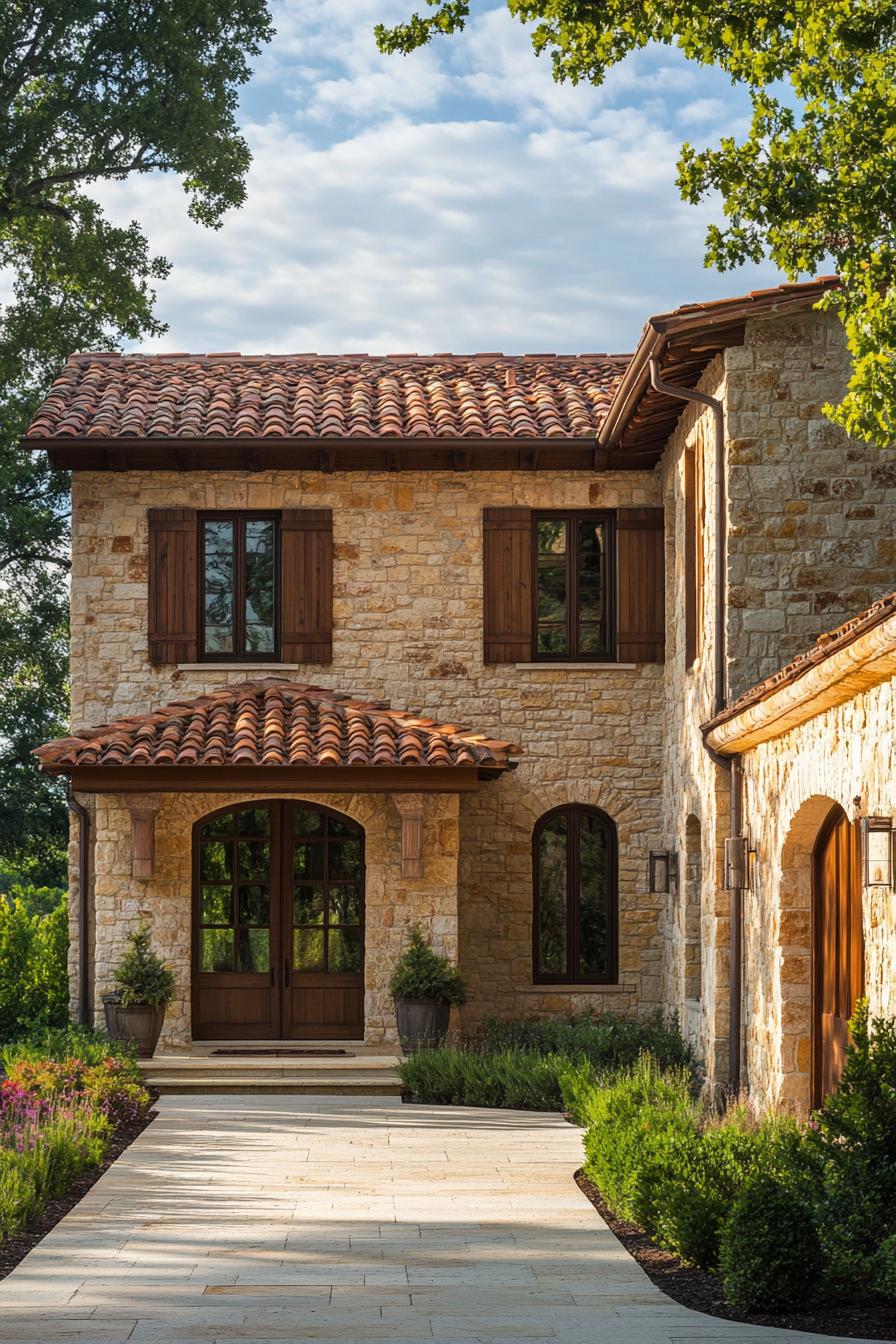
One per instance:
(408, 627)
(812, 512)
(392, 901)
(791, 784)
(810, 542)
(696, 913)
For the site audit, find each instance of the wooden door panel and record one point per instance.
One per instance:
(235, 1012)
(236, 904)
(839, 954)
(324, 1011)
(278, 924)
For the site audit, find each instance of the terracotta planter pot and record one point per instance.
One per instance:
(141, 1024)
(422, 1023)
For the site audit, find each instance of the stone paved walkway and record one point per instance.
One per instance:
(353, 1219)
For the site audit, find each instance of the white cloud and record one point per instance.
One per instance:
(454, 200)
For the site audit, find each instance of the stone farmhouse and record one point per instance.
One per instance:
(494, 645)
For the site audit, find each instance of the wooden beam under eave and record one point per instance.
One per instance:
(271, 780)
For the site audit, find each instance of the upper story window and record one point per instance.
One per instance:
(575, 897)
(239, 582)
(564, 586)
(573, 586)
(247, 586)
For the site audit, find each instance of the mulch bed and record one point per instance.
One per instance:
(13, 1251)
(700, 1291)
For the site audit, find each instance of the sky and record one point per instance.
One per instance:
(453, 200)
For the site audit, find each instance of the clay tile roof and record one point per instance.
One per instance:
(226, 396)
(277, 723)
(826, 645)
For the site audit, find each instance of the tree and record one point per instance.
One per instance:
(812, 181)
(92, 90)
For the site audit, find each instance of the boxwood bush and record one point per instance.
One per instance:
(608, 1041)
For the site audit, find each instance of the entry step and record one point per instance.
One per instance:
(363, 1070)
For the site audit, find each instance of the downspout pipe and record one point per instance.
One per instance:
(83, 922)
(720, 694)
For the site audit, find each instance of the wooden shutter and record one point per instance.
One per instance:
(640, 619)
(306, 616)
(173, 576)
(507, 585)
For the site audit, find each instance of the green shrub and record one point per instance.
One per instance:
(707, 1172)
(607, 1040)
(33, 962)
(420, 973)
(66, 1042)
(513, 1079)
(634, 1122)
(854, 1135)
(884, 1268)
(770, 1254)
(142, 977)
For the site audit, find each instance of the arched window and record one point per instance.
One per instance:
(575, 914)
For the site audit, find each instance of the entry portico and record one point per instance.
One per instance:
(280, 837)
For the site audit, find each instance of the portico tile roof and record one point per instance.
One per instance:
(227, 396)
(275, 723)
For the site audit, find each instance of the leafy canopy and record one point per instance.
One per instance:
(92, 90)
(813, 178)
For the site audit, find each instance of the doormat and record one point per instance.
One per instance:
(286, 1050)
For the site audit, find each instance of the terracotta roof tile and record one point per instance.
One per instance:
(107, 396)
(277, 723)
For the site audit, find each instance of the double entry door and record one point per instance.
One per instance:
(278, 924)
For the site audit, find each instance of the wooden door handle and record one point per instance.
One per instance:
(286, 972)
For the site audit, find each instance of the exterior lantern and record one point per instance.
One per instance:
(662, 872)
(877, 851)
(739, 863)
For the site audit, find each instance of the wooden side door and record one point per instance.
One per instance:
(838, 949)
(323, 925)
(237, 880)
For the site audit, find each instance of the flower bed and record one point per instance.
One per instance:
(61, 1103)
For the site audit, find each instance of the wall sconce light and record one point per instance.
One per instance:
(740, 863)
(662, 874)
(877, 850)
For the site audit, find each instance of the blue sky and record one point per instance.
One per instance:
(456, 199)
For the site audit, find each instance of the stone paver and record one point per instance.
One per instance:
(356, 1219)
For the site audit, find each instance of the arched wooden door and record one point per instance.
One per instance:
(278, 924)
(838, 949)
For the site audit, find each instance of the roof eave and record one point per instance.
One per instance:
(267, 779)
(851, 667)
(658, 330)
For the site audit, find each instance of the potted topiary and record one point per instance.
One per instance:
(424, 986)
(144, 985)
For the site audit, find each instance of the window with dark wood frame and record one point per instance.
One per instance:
(239, 585)
(573, 586)
(575, 890)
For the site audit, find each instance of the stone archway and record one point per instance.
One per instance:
(794, 951)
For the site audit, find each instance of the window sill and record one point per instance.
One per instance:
(565, 988)
(575, 667)
(247, 666)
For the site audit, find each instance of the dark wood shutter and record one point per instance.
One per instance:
(173, 576)
(641, 607)
(307, 586)
(507, 585)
